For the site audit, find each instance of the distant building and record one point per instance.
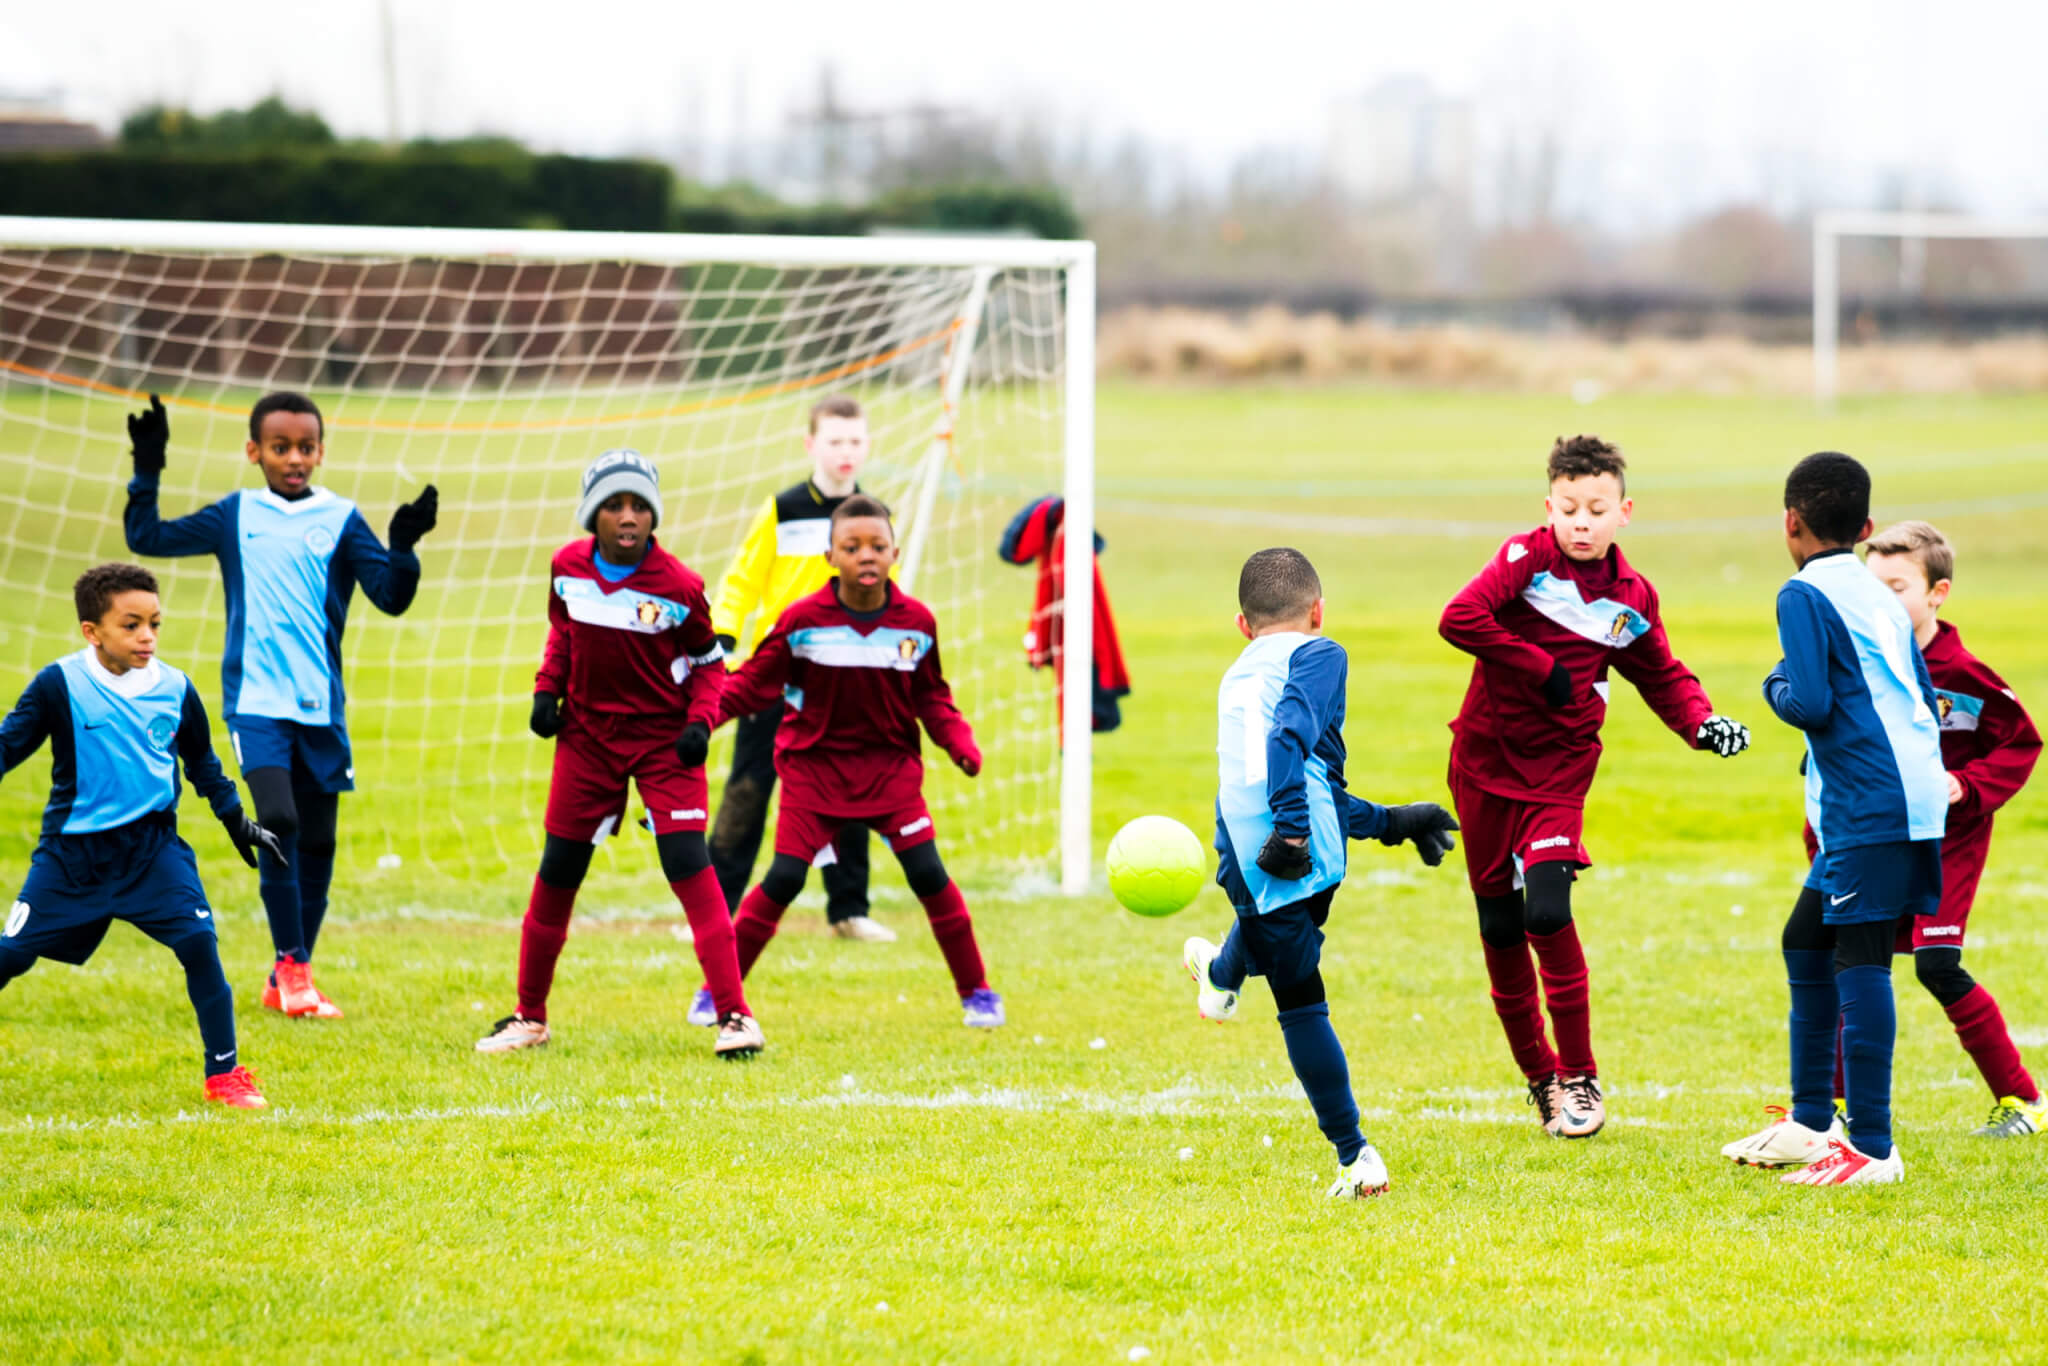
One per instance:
(36, 123)
(1400, 142)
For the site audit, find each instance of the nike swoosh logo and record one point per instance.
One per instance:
(223, 1057)
(95, 725)
(1838, 900)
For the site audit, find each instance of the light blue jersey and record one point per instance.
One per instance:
(289, 567)
(1853, 679)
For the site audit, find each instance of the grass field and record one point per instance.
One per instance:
(1108, 1173)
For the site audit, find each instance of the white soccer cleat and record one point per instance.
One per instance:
(703, 1010)
(1583, 1113)
(738, 1037)
(1845, 1165)
(1363, 1179)
(865, 929)
(513, 1033)
(1784, 1142)
(1211, 1002)
(982, 1009)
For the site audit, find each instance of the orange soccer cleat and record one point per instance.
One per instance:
(237, 1090)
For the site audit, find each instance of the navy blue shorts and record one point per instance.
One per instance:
(316, 754)
(1285, 945)
(1877, 881)
(78, 885)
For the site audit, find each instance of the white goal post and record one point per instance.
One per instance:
(495, 363)
(1828, 231)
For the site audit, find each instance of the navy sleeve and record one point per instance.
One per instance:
(1312, 698)
(389, 578)
(33, 718)
(1363, 820)
(1798, 689)
(148, 534)
(202, 765)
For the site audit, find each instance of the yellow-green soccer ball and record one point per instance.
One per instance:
(1156, 866)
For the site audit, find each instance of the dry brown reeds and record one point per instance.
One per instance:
(1182, 343)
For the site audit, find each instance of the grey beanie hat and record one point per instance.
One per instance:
(618, 471)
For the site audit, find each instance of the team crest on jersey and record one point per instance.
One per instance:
(162, 730)
(1943, 705)
(648, 611)
(1619, 632)
(1957, 710)
(906, 649)
(319, 540)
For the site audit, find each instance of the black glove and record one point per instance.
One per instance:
(1288, 862)
(1557, 689)
(249, 837)
(149, 436)
(547, 716)
(1723, 736)
(1426, 824)
(728, 644)
(693, 744)
(414, 520)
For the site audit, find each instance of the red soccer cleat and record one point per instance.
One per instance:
(236, 1090)
(271, 999)
(296, 992)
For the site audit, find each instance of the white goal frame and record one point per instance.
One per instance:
(1828, 231)
(990, 253)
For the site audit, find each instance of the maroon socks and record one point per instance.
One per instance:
(541, 936)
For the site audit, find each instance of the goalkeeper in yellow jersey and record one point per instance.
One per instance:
(783, 559)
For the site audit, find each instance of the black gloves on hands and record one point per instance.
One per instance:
(693, 744)
(1425, 824)
(728, 644)
(247, 835)
(414, 520)
(547, 716)
(1288, 862)
(149, 436)
(1557, 689)
(1723, 736)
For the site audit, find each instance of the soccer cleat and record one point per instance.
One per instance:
(1845, 1166)
(2014, 1118)
(1784, 1142)
(1548, 1098)
(512, 1033)
(703, 1011)
(865, 929)
(1363, 1179)
(297, 995)
(271, 1000)
(1211, 1001)
(982, 1009)
(738, 1037)
(237, 1090)
(1584, 1113)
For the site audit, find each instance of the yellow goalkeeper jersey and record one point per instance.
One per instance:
(782, 559)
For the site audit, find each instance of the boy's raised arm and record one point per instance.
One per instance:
(390, 578)
(1471, 619)
(149, 436)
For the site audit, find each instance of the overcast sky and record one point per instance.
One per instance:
(1677, 105)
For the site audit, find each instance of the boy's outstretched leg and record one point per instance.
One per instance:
(1218, 973)
(953, 927)
(686, 863)
(213, 1001)
(1511, 976)
(1561, 962)
(563, 864)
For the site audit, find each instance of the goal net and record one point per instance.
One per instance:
(496, 365)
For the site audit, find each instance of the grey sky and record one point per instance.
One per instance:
(1671, 107)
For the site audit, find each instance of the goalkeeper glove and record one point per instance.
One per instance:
(149, 436)
(1426, 824)
(1285, 859)
(1557, 689)
(250, 837)
(547, 716)
(1723, 736)
(693, 744)
(414, 520)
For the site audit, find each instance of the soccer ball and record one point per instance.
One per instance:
(1156, 865)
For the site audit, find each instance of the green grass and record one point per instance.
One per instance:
(1021, 1196)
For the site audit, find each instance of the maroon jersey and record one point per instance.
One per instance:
(854, 687)
(640, 646)
(1987, 739)
(1534, 607)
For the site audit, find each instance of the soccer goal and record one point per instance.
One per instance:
(1912, 229)
(495, 364)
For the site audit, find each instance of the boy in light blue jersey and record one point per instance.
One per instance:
(118, 720)
(1877, 798)
(1280, 795)
(290, 558)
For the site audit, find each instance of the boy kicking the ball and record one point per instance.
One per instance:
(628, 690)
(1555, 609)
(856, 665)
(1280, 796)
(118, 720)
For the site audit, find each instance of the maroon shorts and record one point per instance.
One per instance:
(1505, 836)
(595, 758)
(808, 835)
(1962, 866)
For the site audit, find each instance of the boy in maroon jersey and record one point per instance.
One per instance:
(1553, 611)
(630, 683)
(857, 667)
(1989, 746)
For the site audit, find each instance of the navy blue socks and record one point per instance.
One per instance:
(1869, 1027)
(1815, 1011)
(278, 881)
(1319, 1065)
(316, 874)
(212, 1000)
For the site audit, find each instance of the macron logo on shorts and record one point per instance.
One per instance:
(1554, 842)
(1940, 931)
(686, 816)
(921, 823)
